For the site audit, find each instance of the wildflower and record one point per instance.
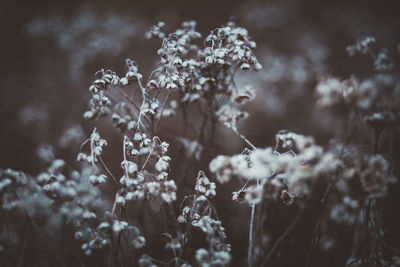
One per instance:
(163, 163)
(97, 179)
(254, 194)
(202, 256)
(230, 116)
(204, 186)
(246, 95)
(139, 242)
(153, 188)
(375, 178)
(145, 261)
(169, 194)
(362, 46)
(329, 92)
(129, 166)
(383, 61)
(119, 226)
(366, 94)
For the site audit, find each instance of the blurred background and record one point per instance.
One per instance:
(50, 50)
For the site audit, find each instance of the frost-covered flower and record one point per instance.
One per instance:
(224, 167)
(329, 91)
(243, 96)
(97, 179)
(163, 163)
(119, 226)
(230, 116)
(169, 191)
(139, 242)
(202, 256)
(362, 46)
(345, 212)
(376, 178)
(254, 194)
(204, 186)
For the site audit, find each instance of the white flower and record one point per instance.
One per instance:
(221, 167)
(163, 163)
(129, 166)
(202, 255)
(103, 225)
(119, 226)
(230, 115)
(169, 194)
(204, 186)
(139, 242)
(4, 183)
(153, 188)
(329, 91)
(254, 194)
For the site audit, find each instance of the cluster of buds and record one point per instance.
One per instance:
(96, 148)
(100, 103)
(231, 44)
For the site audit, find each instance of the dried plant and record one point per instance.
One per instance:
(146, 213)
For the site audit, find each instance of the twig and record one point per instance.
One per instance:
(148, 157)
(108, 171)
(243, 137)
(250, 249)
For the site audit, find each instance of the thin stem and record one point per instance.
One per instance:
(243, 137)
(92, 146)
(129, 100)
(125, 161)
(162, 110)
(250, 250)
(108, 170)
(115, 203)
(148, 157)
(133, 103)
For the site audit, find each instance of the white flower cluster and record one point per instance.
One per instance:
(375, 178)
(19, 192)
(74, 196)
(204, 186)
(376, 98)
(329, 91)
(218, 253)
(100, 103)
(140, 183)
(281, 176)
(332, 91)
(345, 212)
(96, 148)
(229, 115)
(225, 167)
(55, 198)
(99, 237)
(187, 67)
(362, 46)
(198, 213)
(231, 44)
(155, 31)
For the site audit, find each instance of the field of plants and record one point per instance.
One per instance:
(214, 133)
